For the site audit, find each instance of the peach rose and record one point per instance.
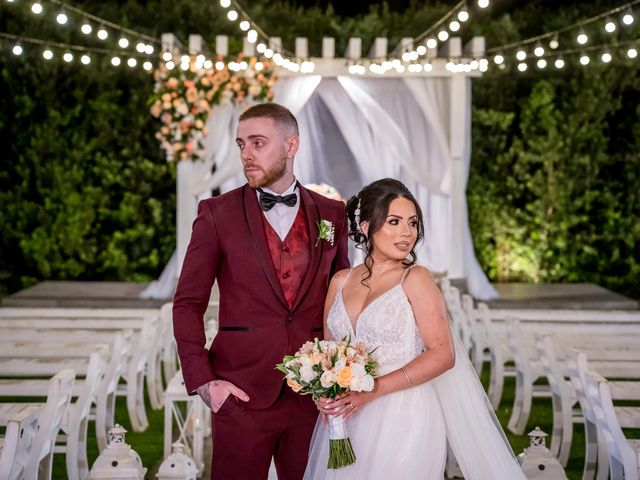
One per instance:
(295, 386)
(344, 377)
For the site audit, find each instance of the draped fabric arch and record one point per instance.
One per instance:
(354, 131)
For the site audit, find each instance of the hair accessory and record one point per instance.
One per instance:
(356, 215)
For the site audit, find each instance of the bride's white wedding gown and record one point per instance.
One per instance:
(403, 435)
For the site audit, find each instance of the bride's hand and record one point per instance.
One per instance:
(328, 406)
(348, 403)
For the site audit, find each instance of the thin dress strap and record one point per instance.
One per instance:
(345, 279)
(406, 272)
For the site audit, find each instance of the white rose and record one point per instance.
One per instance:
(356, 384)
(340, 363)
(307, 374)
(328, 378)
(358, 370)
(366, 383)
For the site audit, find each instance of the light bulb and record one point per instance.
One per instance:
(454, 26)
(17, 49)
(421, 50)
(610, 26)
(85, 59)
(67, 57)
(427, 67)
(632, 53)
(406, 57)
(522, 67)
(36, 8)
(498, 59)
(606, 57)
(62, 18)
(103, 34)
(521, 55)
(185, 59)
(123, 42)
(132, 62)
(443, 35)
(166, 56)
(148, 66)
(582, 37)
(432, 43)
(252, 36)
(244, 25)
(541, 63)
(140, 47)
(170, 65)
(463, 16)
(219, 65)
(225, 3)
(149, 49)
(553, 43)
(232, 15)
(628, 18)
(268, 53)
(559, 63)
(208, 64)
(539, 50)
(47, 54)
(584, 59)
(115, 61)
(261, 47)
(483, 3)
(86, 28)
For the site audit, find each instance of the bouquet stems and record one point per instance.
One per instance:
(340, 450)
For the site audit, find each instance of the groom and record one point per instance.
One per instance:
(261, 243)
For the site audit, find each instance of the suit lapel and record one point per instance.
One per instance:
(253, 219)
(313, 217)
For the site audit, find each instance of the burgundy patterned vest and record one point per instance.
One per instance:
(290, 257)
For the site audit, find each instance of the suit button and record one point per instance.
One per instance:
(286, 275)
(285, 249)
(289, 319)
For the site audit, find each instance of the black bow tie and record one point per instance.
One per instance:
(268, 200)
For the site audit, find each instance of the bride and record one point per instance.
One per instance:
(426, 393)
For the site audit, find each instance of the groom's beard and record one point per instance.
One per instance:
(269, 176)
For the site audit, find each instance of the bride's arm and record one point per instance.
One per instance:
(439, 355)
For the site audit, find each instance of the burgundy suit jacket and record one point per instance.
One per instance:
(256, 326)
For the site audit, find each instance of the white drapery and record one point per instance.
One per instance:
(357, 130)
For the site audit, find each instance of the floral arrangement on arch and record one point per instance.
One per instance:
(183, 100)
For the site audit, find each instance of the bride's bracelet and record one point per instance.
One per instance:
(407, 377)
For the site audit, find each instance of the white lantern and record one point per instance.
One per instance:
(178, 465)
(118, 460)
(537, 461)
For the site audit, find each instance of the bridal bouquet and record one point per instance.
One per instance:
(325, 368)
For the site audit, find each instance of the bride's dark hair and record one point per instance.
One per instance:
(372, 203)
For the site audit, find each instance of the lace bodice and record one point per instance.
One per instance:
(386, 324)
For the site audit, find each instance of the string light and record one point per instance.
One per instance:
(628, 18)
(541, 63)
(454, 26)
(463, 16)
(553, 43)
(521, 55)
(62, 18)
(85, 59)
(17, 49)
(421, 50)
(539, 51)
(232, 15)
(252, 36)
(115, 61)
(443, 35)
(584, 59)
(483, 3)
(432, 43)
(632, 53)
(219, 65)
(140, 47)
(522, 67)
(132, 62)
(606, 57)
(102, 34)
(559, 63)
(225, 3)
(68, 57)
(148, 66)
(244, 25)
(36, 8)
(498, 59)
(166, 56)
(582, 37)
(47, 54)
(610, 25)
(170, 65)
(123, 42)
(86, 28)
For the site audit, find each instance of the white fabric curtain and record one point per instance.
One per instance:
(357, 130)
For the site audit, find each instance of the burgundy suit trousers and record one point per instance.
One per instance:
(244, 439)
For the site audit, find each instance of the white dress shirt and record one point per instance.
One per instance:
(281, 217)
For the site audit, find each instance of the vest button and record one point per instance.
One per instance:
(285, 249)
(286, 275)
(289, 319)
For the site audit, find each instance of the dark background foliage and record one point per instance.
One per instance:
(86, 194)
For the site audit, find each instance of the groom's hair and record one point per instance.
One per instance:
(280, 115)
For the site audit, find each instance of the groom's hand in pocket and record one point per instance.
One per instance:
(216, 392)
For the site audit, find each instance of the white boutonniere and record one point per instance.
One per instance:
(326, 232)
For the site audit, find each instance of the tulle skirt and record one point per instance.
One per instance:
(398, 436)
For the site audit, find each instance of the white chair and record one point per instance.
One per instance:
(528, 371)
(49, 422)
(623, 454)
(21, 426)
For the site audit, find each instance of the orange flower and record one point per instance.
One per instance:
(344, 377)
(295, 386)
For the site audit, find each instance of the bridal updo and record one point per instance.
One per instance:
(371, 205)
